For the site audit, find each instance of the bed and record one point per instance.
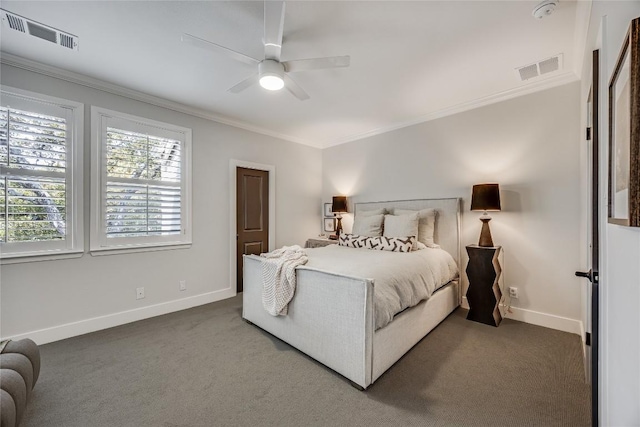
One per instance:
(331, 317)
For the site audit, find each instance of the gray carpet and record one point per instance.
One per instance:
(206, 367)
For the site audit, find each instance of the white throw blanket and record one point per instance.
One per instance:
(279, 277)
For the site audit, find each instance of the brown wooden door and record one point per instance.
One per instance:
(252, 215)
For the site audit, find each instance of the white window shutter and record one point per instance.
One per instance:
(143, 183)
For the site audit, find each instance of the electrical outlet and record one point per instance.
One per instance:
(183, 285)
(513, 292)
(139, 293)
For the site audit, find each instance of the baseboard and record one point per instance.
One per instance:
(547, 320)
(68, 330)
(465, 303)
(585, 350)
(583, 340)
(552, 321)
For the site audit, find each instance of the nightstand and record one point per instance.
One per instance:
(483, 294)
(318, 242)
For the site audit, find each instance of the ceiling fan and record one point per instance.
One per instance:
(272, 74)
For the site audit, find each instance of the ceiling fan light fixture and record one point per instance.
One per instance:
(271, 82)
(271, 74)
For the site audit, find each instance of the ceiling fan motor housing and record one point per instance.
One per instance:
(271, 74)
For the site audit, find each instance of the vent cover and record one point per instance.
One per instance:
(15, 23)
(546, 66)
(528, 72)
(36, 29)
(549, 65)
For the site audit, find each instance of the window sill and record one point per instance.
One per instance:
(136, 249)
(24, 258)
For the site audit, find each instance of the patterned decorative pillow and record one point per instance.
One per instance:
(380, 243)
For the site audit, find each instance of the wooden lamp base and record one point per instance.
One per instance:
(485, 234)
(339, 226)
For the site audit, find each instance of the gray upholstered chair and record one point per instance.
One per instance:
(19, 371)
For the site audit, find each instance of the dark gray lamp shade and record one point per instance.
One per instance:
(339, 204)
(485, 197)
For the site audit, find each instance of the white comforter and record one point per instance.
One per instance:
(401, 279)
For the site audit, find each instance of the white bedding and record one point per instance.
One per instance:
(401, 280)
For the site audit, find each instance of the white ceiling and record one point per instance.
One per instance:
(410, 61)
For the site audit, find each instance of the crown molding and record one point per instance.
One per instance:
(548, 83)
(80, 79)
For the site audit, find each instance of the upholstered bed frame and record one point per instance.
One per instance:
(331, 316)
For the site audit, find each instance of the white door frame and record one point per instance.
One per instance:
(233, 165)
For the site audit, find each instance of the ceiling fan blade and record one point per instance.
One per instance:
(205, 44)
(273, 28)
(317, 63)
(295, 89)
(244, 84)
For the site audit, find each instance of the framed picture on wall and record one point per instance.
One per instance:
(327, 210)
(624, 132)
(329, 225)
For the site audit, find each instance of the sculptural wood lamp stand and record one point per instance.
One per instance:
(483, 269)
(483, 294)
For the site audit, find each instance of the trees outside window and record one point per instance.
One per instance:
(141, 180)
(40, 175)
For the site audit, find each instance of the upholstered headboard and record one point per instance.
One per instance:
(447, 232)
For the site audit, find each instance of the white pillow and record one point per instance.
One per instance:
(401, 226)
(370, 226)
(380, 211)
(426, 224)
(420, 246)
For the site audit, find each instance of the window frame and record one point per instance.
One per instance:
(73, 245)
(99, 243)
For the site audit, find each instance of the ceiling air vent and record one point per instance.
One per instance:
(540, 68)
(36, 29)
(15, 23)
(549, 65)
(528, 72)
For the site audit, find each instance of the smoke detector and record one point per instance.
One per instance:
(544, 9)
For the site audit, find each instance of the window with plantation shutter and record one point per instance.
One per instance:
(40, 175)
(141, 180)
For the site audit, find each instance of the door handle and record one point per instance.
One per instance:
(585, 274)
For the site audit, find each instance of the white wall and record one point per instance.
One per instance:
(619, 387)
(529, 145)
(45, 295)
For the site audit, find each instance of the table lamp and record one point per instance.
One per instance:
(339, 206)
(485, 197)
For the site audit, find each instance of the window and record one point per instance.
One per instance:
(40, 175)
(141, 182)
